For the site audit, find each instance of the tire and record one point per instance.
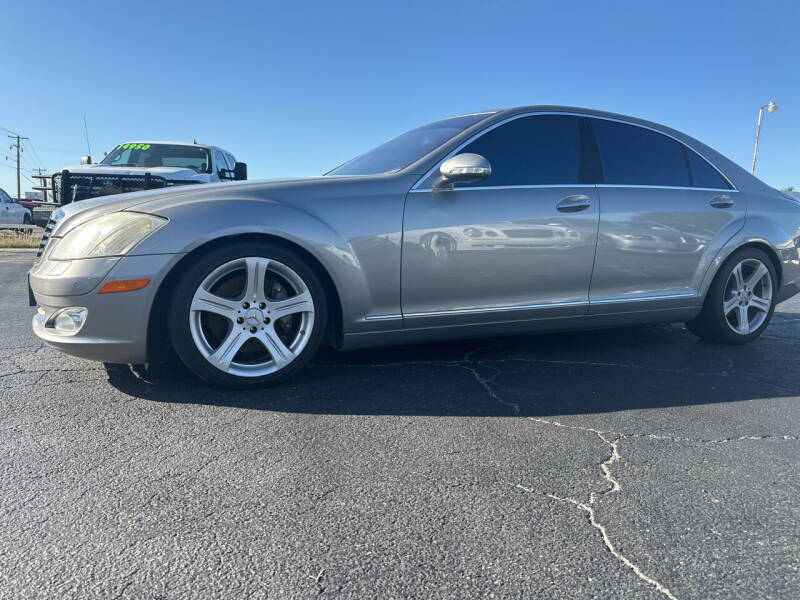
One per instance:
(750, 294)
(26, 219)
(247, 315)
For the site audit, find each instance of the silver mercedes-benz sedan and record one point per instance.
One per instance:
(499, 222)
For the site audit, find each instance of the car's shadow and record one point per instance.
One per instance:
(563, 373)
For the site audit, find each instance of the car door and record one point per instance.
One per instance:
(518, 245)
(665, 212)
(6, 213)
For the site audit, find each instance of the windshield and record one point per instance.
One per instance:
(408, 147)
(196, 158)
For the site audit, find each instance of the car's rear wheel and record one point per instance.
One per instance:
(248, 315)
(26, 219)
(740, 301)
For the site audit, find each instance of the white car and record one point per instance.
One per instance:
(12, 213)
(134, 166)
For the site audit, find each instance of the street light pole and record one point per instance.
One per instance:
(771, 107)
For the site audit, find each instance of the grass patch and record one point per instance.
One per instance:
(19, 239)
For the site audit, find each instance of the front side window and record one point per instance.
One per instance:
(196, 158)
(408, 147)
(222, 165)
(535, 150)
(634, 155)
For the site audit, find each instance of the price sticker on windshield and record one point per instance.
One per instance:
(133, 147)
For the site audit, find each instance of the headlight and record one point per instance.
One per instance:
(114, 234)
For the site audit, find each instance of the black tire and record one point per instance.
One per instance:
(26, 219)
(712, 323)
(178, 313)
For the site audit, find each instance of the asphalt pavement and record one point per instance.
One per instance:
(633, 463)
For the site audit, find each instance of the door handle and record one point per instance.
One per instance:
(721, 201)
(573, 203)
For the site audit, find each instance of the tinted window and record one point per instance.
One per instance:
(221, 164)
(537, 150)
(703, 174)
(4, 197)
(636, 156)
(408, 147)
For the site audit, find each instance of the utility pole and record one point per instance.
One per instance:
(771, 107)
(41, 175)
(18, 146)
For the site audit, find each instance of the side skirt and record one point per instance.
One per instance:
(353, 341)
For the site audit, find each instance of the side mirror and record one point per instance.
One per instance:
(240, 171)
(86, 160)
(467, 167)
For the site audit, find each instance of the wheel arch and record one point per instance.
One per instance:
(159, 346)
(760, 244)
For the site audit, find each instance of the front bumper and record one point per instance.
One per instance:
(115, 328)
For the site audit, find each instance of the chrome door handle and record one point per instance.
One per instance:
(573, 203)
(721, 201)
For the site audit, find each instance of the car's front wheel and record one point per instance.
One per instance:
(247, 315)
(740, 301)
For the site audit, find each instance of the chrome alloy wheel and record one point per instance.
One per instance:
(251, 316)
(747, 297)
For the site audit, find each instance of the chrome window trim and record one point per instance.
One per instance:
(513, 187)
(431, 171)
(579, 185)
(664, 187)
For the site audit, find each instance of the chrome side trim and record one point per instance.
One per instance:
(571, 114)
(468, 311)
(643, 298)
(382, 317)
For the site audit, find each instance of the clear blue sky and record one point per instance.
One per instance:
(295, 88)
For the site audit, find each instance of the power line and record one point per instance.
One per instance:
(36, 155)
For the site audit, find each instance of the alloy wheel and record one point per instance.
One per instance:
(747, 297)
(251, 316)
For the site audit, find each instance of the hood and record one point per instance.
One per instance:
(166, 172)
(157, 200)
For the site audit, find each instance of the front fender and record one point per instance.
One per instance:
(364, 269)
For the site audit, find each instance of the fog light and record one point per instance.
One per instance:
(69, 320)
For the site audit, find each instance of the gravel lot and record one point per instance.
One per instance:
(613, 464)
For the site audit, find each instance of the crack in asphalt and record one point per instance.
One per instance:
(605, 467)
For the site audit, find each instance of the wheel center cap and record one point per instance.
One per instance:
(254, 317)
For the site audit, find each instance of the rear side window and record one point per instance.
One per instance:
(633, 155)
(537, 150)
(703, 174)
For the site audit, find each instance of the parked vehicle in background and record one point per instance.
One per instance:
(137, 166)
(519, 220)
(13, 213)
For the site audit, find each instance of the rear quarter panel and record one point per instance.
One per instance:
(772, 221)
